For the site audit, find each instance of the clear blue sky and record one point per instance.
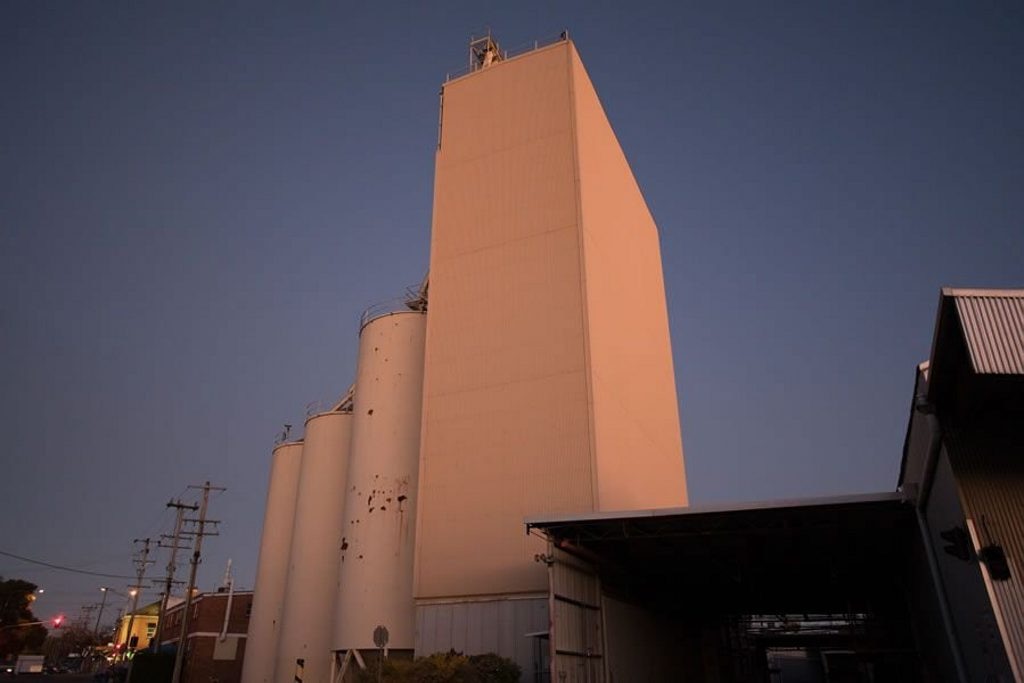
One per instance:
(198, 199)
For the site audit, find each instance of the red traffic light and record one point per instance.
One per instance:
(58, 621)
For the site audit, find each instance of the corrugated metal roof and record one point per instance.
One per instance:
(993, 325)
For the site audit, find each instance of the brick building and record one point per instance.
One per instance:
(215, 642)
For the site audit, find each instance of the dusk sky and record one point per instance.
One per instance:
(198, 200)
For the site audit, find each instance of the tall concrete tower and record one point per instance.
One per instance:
(548, 381)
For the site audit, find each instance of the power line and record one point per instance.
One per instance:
(63, 568)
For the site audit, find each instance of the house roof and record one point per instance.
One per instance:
(992, 323)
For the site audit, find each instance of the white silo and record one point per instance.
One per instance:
(376, 561)
(272, 566)
(308, 611)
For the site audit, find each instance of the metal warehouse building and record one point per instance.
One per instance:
(921, 584)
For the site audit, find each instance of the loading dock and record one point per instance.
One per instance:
(727, 593)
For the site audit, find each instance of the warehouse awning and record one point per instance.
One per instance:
(838, 555)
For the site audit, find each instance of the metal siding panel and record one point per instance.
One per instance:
(431, 632)
(459, 626)
(507, 620)
(474, 641)
(444, 625)
(492, 627)
(577, 622)
(567, 634)
(989, 468)
(422, 635)
(537, 619)
(478, 627)
(522, 648)
(993, 327)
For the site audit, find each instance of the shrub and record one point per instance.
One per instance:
(445, 667)
(493, 668)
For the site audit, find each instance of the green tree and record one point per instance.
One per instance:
(16, 633)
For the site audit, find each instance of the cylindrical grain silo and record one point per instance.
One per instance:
(308, 617)
(272, 566)
(376, 562)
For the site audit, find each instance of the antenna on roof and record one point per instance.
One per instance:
(483, 52)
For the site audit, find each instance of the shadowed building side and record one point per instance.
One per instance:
(962, 462)
(638, 447)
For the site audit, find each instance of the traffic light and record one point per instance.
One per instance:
(959, 544)
(58, 621)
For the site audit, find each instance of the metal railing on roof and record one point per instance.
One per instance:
(521, 49)
(341, 404)
(385, 308)
(415, 299)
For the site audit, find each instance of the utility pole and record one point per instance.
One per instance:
(141, 562)
(199, 533)
(96, 631)
(85, 615)
(174, 544)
